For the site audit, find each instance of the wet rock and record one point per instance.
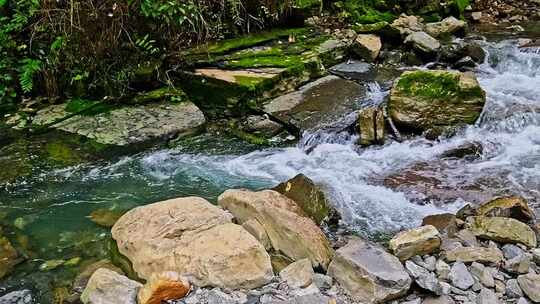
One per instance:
(356, 70)
(162, 287)
(468, 151)
(128, 125)
(487, 296)
(423, 43)
(420, 100)
(298, 274)
(513, 291)
(193, 238)
(474, 254)
(9, 257)
(530, 284)
(310, 197)
(465, 64)
(447, 26)
(18, 297)
(514, 207)
(105, 217)
(371, 126)
(419, 241)
(368, 273)
(501, 229)
(317, 103)
(262, 125)
(106, 286)
(257, 230)
(424, 278)
(289, 230)
(82, 278)
(51, 265)
(460, 276)
(367, 46)
(445, 223)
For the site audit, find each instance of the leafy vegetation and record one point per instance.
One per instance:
(366, 11)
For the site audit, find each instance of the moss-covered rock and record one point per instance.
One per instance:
(420, 100)
(9, 257)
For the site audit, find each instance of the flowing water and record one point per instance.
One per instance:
(378, 189)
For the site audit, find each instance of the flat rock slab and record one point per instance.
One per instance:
(318, 103)
(128, 125)
(357, 70)
(240, 76)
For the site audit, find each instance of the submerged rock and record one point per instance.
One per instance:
(368, 273)
(371, 126)
(105, 217)
(501, 229)
(419, 241)
(106, 286)
(195, 239)
(289, 229)
(313, 201)
(421, 100)
(128, 125)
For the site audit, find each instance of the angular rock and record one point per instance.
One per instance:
(195, 239)
(483, 274)
(84, 276)
(439, 300)
(514, 206)
(519, 264)
(289, 229)
(298, 274)
(106, 286)
(128, 125)
(474, 254)
(368, 273)
(446, 223)
(319, 102)
(530, 284)
(423, 43)
(425, 279)
(313, 201)
(18, 297)
(407, 25)
(501, 229)
(322, 281)
(513, 291)
(460, 276)
(357, 70)
(443, 270)
(467, 238)
(367, 46)
(421, 100)
(371, 126)
(447, 26)
(487, 296)
(162, 287)
(419, 241)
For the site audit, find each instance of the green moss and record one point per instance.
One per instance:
(367, 11)
(87, 107)
(161, 94)
(249, 82)
(440, 85)
(307, 3)
(265, 61)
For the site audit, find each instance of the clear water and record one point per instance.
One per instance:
(53, 205)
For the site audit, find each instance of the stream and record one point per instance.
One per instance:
(377, 189)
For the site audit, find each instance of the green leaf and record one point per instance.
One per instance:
(3, 2)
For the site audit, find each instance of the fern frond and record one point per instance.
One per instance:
(26, 75)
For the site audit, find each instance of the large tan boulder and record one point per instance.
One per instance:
(290, 231)
(419, 241)
(195, 239)
(162, 287)
(514, 206)
(108, 287)
(367, 46)
(368, 273)
(502, 229)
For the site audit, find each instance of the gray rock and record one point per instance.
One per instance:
(298, 274)
(430, 263)
(530, 284)
(107, 286)
(460, 276)
(513, 290)
(447, 26)
(487, 296)
(425, 279)
(216, 296)
(511, 251)
(519, 264)
(383, 275)
(443, 270)
(423, 42)
(310, 295)
(536, 255)
(322, 281)
(483, 274)
(356, 70)
(129, 125)
(17, 297)
(523, 301)
(500, 286)
(263, 125)
(439, 300)
(467, 238)
(414, 301)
